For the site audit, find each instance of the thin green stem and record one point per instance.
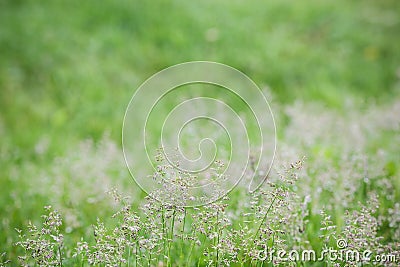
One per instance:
(129, 254)
(59, 253)
(171, 237)
(136, 253)
(264, 218)
(190, 253)
(183, 232)
(217, 241)
(140, 253)
(163, 233)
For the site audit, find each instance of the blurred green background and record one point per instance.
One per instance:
(69, 68)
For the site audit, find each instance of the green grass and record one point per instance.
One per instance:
(69, 68)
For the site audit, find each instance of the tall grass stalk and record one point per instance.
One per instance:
(171, 238)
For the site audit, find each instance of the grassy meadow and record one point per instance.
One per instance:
(330, 71)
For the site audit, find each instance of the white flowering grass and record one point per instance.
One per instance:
(335, 177)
